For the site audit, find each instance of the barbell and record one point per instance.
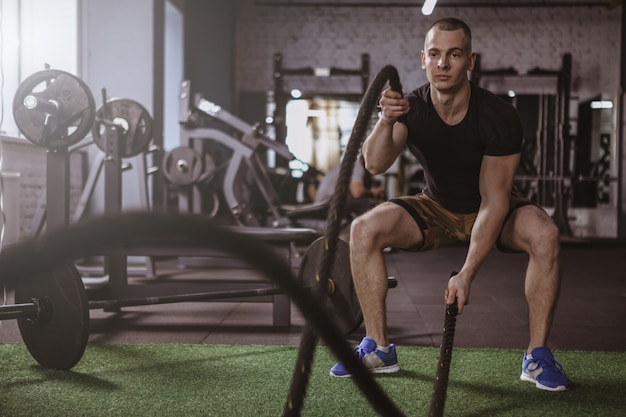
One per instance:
(33, 258)
(52, 308)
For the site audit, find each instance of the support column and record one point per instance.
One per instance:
(621, 128)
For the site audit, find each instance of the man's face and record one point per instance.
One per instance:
(446, 58)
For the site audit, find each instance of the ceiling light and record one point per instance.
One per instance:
(295, 93)
(428, 7)
(602, 104)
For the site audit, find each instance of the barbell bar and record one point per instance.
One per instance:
(32, 310)
(52, 310)
(39, 310)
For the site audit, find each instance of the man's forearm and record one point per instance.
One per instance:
(484, 235)
(379, 149)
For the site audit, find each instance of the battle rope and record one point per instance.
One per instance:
(115, 234)
(309, 341)
(438, 399)
(149, 231)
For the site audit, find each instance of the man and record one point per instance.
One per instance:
(468, 142)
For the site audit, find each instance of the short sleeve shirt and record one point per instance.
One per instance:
(451, 156)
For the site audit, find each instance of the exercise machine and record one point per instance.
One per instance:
(233, 169)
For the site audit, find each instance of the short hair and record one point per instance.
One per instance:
(451, 24)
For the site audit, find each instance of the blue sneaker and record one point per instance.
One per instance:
(375, 360)
(541, 368)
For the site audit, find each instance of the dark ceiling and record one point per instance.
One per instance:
(442, 3)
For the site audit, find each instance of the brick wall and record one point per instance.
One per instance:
(21, 194)
(522, 38)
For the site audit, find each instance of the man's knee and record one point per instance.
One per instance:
(359, 229)
(364, 230)
(545, 242)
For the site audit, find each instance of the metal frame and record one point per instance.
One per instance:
(116, 268)
(245, 143)
(116, 263)
(560, 177)
(281, 98)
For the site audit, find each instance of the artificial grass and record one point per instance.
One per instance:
(229, 381)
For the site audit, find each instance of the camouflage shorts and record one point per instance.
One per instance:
(441, 227)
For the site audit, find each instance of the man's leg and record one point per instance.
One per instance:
(387, 225)
(531, 230)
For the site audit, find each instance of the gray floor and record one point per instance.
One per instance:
(590, 316)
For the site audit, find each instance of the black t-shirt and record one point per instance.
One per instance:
(451, 156)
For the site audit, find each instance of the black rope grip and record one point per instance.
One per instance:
(440, 387)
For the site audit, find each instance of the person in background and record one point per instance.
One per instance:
(365, 191)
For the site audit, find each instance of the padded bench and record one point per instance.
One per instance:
(285, 240)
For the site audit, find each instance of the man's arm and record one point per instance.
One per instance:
(496, 181)
(387, 139)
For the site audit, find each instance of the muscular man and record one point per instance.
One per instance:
(468, 142)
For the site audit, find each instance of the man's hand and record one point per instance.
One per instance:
(459, 289)
(392, 105)
(388, 138)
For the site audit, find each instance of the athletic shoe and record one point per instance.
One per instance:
(375, 360)
(541, 368)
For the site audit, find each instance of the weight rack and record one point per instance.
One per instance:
(113, 141)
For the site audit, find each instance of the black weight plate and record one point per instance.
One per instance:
(343, 305)
(74, 118)
(135, 123)
(183, 166)
(59, 340)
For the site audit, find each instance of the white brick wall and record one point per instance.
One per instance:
(29, 161)
(522, 38)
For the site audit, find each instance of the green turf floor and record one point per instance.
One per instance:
(229, 381)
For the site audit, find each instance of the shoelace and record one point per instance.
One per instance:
(549, 363)
(360, 351)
